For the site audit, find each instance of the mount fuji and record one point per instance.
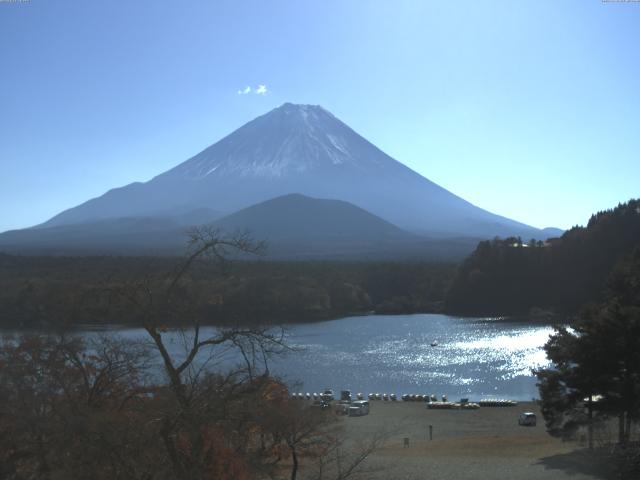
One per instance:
(293, 149)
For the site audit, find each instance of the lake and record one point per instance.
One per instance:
(393, 354)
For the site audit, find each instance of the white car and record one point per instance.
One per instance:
(527, 419)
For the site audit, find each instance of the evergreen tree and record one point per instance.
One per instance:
(598, 359)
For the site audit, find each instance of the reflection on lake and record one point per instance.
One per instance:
(393, 354)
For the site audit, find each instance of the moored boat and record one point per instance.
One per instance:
(497, 403)
(442, 405)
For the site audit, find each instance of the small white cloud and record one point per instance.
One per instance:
(259, 90)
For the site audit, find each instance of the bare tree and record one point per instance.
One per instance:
(346, 459)
(166, 306)
(72, 409)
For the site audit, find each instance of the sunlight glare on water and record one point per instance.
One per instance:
(392, 353)
(474, 357)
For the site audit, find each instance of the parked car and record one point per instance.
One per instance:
(527, 419)
(359, 408)
(363, 405)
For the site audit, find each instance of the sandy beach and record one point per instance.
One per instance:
(468, 444)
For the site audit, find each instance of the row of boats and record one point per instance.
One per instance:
(432, 400)
(464, 405)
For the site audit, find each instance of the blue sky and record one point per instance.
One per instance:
(529, 109)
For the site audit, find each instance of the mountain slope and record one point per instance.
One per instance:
(294, 227)
(300, 149)
(162, 234)
(127, 235)
(295, 216)
(300, 226)
(292, 224)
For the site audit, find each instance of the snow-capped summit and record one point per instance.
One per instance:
(289, 140)
(299, 149)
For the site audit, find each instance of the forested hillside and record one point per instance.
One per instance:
(512, 276)
(45, 291)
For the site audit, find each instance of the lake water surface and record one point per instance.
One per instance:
(474, 357)
(393, 354)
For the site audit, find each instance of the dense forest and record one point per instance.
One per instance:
(511, 276)
(502, 277)
(45, 291)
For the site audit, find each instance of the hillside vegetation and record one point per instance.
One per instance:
(46, 291)
(509, 276)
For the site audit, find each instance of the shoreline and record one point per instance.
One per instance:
(521, 319)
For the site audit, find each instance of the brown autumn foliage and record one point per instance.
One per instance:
(107, 408)
(69, 409)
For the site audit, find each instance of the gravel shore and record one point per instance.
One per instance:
(467, 444)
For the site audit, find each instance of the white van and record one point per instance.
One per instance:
(527, 419)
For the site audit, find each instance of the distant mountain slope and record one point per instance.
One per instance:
(297, 226)
(294, 217)
(550, 232)
(504, 277)
(294, 227)
(131, 235)
(299, 149)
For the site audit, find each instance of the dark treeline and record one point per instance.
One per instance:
(46, 291)
(512, 276)
(502, 277)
